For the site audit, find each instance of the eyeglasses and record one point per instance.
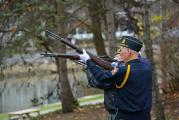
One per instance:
(118, 51)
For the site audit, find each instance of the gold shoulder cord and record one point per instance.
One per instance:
(126, 77)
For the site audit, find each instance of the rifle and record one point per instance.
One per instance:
(99, 61)
(72, 57)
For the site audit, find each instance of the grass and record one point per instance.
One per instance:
(3, 116)
(97, 97)
(54, 106)
(57, 106)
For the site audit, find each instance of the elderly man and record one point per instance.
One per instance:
(132, 82)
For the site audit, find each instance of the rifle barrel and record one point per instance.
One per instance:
(64, 41)
(104, 64)
(73, 57)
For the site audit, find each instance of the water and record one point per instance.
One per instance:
(18, 93)
(25, 92)
(32, 84)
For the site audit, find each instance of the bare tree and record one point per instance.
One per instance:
(67, 97)
(95, 12)
(110, 27)
(163, 47)
(149, 53)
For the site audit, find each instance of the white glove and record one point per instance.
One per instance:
(114, 64)
(84, 57)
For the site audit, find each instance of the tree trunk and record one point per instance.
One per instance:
(110, 27)
(163, 46)
(149, 53)
(94, 7)
(67, 97)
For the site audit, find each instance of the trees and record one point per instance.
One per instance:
(168, 45)
(111, 28)
(22, 25)
(66, 93)
(31, 18)
(95, 13)
(149, 53)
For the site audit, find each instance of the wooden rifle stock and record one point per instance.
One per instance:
(99, 61)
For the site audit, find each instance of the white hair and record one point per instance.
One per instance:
(134, 52)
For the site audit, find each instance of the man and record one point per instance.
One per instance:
(132, 83)
(108, 92)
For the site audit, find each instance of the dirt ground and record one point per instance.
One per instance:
(171, 106)
(97, 112)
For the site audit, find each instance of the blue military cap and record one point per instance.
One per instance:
(131, 42)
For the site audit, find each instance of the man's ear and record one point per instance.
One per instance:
(129, 52)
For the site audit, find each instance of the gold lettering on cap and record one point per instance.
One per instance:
(123, 41)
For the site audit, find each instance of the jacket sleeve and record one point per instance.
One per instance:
(93, 82)
(106, 77)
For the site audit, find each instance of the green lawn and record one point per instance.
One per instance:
(3, 116)
(57, 106)
(82, 100)
(54, 106)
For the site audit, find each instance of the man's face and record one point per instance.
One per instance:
(123, 54)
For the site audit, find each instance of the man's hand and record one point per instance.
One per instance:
(116, 63)
(84, 57)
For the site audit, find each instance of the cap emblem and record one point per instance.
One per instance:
(123, 41)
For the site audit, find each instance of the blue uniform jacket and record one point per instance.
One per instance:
(136, 95)
(109, 101)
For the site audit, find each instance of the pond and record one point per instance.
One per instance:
(18, 93)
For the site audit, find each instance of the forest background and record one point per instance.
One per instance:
(96, 25)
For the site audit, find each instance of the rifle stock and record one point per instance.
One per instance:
(102, 63)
